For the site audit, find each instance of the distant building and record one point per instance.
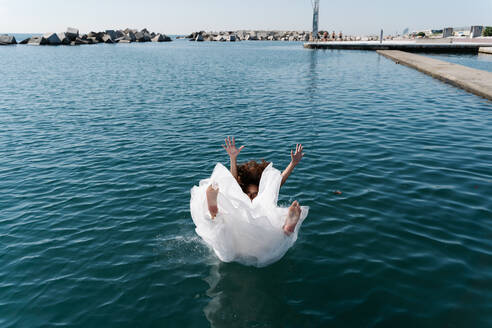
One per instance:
(476, 31)
(447, 32)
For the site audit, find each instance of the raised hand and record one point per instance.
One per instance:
(297, 156)
(230, 147)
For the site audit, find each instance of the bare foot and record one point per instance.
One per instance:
(292, 218)
(212, 201)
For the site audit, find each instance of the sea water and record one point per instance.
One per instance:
(100, 146)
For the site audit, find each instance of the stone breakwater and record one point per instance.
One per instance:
(72, 37)
(7, 39)
(242, 35)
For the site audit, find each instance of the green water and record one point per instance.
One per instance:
(100, 146)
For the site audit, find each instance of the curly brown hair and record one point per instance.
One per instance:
(250, 173)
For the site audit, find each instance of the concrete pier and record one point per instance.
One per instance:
(472, 80)
(485, 50)
(410, 46)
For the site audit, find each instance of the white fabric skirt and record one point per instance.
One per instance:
(244, 231)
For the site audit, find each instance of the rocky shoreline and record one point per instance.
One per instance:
(249, 35)
(72, 37)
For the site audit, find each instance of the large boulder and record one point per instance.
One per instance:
(92, 40)
(199, 38)
(78, 41)
(130, 36)
(7, 39)
(158, 38)
(52, 39)
(25, 41)
(139, 37)
(129, 30)
(63, 38)
(72, 33)
(147, 37)
(37, 41)
(107, 38)
(112, 34)
(251, 37)
(232, 38)
(220, 38)
(97, 35)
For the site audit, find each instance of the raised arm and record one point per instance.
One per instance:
(230, 147)
(295, 158)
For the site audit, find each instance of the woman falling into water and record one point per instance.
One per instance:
(236, 212)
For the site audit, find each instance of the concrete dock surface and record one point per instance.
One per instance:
(472, 80)
(485, 50)
(435, 46)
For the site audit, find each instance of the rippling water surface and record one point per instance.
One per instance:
(100, 145)
(480, 61)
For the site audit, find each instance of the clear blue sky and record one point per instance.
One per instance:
(184, 16)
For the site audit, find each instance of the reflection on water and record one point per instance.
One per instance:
(248, 297)
(312, 75)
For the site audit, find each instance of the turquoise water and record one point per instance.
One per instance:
(100, 145)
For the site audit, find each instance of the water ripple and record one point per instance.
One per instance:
(96, 165)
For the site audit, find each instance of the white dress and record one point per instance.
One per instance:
(245, 231)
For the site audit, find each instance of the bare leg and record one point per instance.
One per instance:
(212, 201)
(292, 218)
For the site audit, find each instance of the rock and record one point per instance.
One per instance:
(25, 41)
(220, 38)
(63, 38)
(157, 38)
(161, 38)
(79, 41)
(37, 41)
(124, 41)
(96, 35)
(72, 33)
(232, 38)
(92, 40)
(139, 37)
(112, 34)
(7, 39)
(107, 38)
(199, 38)
(147, 37)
